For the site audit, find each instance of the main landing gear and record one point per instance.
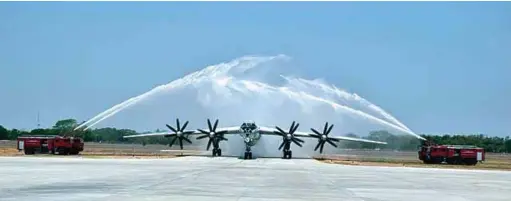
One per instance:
(288, 154)
(217, 152)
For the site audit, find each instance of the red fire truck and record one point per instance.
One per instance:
(50, 144)
(452, 154)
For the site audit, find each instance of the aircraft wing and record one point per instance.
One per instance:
(274, 131)
(268, 131)
(149, 135)
(224, 130)
(302, 134)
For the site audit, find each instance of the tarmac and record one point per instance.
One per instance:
(227, 178)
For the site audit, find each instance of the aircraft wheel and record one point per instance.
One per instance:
(219, 152)
(290, 154)
(248, 155)
(214, 153)
(287, 154)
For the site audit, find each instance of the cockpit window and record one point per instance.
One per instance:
(248, 126)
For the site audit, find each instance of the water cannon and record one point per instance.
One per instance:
(428, 143)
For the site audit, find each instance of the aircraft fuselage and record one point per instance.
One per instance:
(249, 131)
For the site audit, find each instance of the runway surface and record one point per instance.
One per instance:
(205, 178)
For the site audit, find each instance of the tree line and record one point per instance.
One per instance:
(394, 142)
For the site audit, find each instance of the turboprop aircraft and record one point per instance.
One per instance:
(251, 133)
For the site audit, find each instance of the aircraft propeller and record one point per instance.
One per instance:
(180, 132)
(323, 137)
(289, 137)
(212, 134)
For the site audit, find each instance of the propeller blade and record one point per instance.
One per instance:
(317, 133)
(329, 129)
(202, 136)
(172, 142)
(292, 126)
(317, 146)
(321, 149)
(203, 131)
(223, 138)
(326, 127)
(188, 132)
(209, 125)
(177, 123)
(296, 127)
(209, 144)
(216, 124)
(333, 139)
(184, 126)
(299, 140)
(281, 131)
(331, 143)
(181, 143)
(188, 140)
(171, 128)
(315, 136)
(281, 145)
(296, 142)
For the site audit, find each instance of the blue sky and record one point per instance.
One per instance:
(439, 67)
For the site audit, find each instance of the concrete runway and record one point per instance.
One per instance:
(205, 178)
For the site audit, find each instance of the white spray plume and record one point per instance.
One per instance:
(320, 88)
(246, 88)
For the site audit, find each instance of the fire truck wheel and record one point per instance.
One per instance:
(470, 161)
(28, 151)
(63, 151)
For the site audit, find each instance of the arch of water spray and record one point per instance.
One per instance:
(237, 88)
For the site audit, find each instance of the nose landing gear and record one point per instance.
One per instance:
(248, 152)
(248, 155)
